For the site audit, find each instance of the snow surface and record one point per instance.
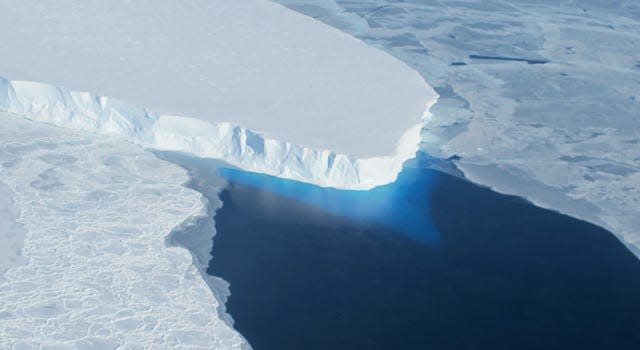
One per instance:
(11, 232)
(565, 134)
(254, 63)
(97, 273)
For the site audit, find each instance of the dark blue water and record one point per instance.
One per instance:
(430, 262)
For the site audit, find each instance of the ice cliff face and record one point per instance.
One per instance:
(252, 63)
(231, 143)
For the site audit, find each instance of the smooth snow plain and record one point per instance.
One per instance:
(565, 134)
(97, 273)
(349, 112)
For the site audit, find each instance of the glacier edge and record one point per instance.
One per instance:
(234, 144)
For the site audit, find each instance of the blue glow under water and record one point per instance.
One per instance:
(402, 206)
(314, 268)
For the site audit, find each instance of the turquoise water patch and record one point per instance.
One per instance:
(402, 206)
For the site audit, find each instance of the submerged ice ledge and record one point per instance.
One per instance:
(232, 143)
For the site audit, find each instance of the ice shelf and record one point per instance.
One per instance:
(298, 90)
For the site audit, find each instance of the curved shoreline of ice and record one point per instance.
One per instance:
(197, 234)
(234, 144)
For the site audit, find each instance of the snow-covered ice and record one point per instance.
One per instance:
(97, 273)
(11, 232)
(253, 63)
(565, 134)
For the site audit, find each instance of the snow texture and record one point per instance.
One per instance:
(97, 273)
(538, 98)
(11, 232)
(253, 63)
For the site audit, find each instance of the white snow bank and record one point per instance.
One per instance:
(234, 144)
(97, 273)
(253, 63)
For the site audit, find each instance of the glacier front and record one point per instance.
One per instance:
(309, 102)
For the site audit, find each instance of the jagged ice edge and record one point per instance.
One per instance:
(234, 144)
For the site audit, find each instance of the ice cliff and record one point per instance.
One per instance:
(268, 89)
(234, 144)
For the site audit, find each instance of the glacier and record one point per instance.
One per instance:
(264, 87)
(96, 273)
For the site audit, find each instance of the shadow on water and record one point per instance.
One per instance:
(513, 59)
(314, 268)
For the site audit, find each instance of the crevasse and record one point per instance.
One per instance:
(232, 143)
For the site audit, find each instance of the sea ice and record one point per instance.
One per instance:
(537, 98)
(11, 232)
(97, 274)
